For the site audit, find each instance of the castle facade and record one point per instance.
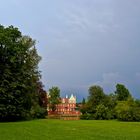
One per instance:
(67, 106)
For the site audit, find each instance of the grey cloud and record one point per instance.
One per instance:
(82, 42)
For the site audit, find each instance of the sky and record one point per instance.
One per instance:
(81, 42)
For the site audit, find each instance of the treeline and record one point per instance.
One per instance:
(118, 105)
(21, 92)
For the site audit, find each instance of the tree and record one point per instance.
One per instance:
(110, 101)
(137, 102)
(19, 74)
(83, 101)
(42, 95)
(54, 98)
(103, 113)
(84, 107)
(39, 107)
(122, 92)
(96, 96)
(127, 110)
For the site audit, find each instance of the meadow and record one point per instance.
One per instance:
(47, 129)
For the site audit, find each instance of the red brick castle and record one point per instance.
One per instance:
(67, 106)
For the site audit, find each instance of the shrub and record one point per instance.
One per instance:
(103, 113)
(38, 112)
(127, 112)
(87, 117)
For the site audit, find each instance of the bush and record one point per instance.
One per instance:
(131, 114)
(103, 113)
(87, 117)
(38, 112)
(127, 112)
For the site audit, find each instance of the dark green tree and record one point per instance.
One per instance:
(102, 113)
(110, 101)
(137, 102)
(83, 101)
(42, 95)
(19, 74)
(39, 107)
(84, 106)
(96, 96)
(122, 92)
(54, 98)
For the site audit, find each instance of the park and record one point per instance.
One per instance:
(70, 70)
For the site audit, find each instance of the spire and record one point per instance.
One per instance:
(72, 99)
(72, 96)
(66, 96)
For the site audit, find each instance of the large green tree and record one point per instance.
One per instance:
(96, 96)
(54, 98)
(122, 92)
(18, 74)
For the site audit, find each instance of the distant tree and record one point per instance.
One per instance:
(110, 101)
(122, 92)
(83, 101)
(84, 106)
(96, 96)
(54, 98)
(120, 105)
(127, 110)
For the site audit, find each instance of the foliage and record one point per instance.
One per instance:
(38, 112)
(127, 111)
(122, 92)
(54, 98)
(96, 96)
(84, 108)
(83, 101)
(87, 116)
(103, 113)
(110, 101)
(119, 105)
(137, 102)
(42, 96)
(19, 74)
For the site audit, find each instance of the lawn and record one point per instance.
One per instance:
(70, 130)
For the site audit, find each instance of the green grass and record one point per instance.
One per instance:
(70, 130)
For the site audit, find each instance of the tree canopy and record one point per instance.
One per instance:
(54, 98)
(122, 92)
(118, 105)
(19, 74)
(96, 96)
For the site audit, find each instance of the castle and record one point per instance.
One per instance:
(67, 106)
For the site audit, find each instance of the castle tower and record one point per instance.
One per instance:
(72, 99)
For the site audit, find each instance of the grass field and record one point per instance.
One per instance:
(70, 130)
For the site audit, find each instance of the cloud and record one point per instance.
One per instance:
(109, 80)
(138, 74)
(77, 21)
(88, 41)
